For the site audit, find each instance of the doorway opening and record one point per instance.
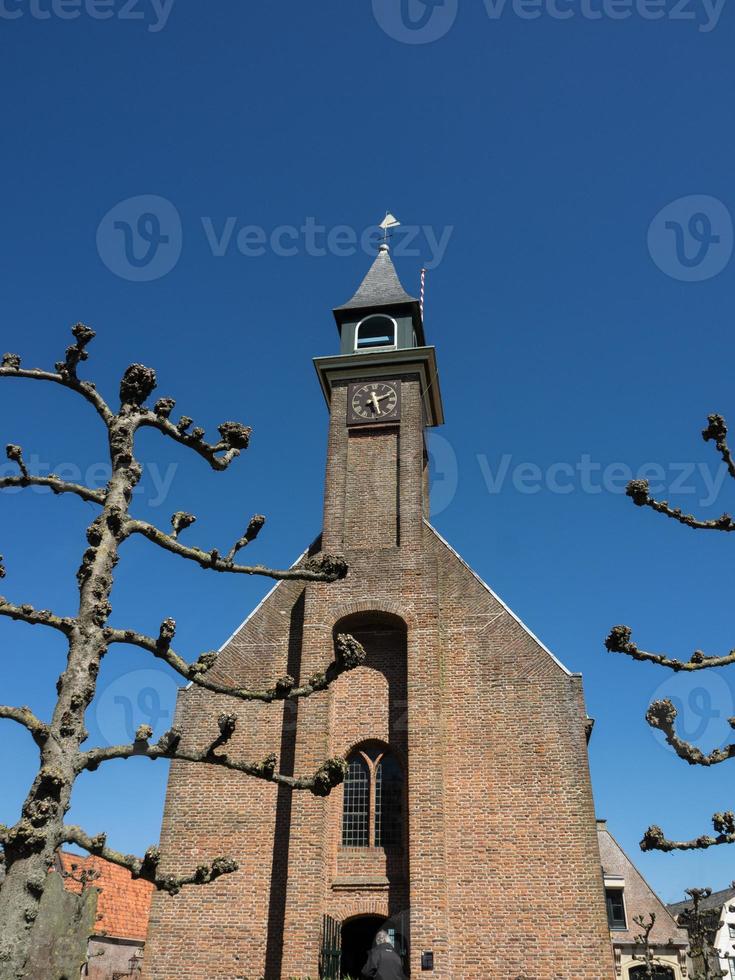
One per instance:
(357, 938)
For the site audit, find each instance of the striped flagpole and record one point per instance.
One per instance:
(422, 293)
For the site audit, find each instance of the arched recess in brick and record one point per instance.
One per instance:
(370, 702)
(385, 609)
(368, 706)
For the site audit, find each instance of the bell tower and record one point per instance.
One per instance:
(465, 823)
(382, 390)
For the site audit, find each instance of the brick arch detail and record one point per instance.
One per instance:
(388, 749)
(356, 907)
(345, 609)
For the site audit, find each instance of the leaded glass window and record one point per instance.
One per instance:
(388, 802)
(372, 809)
(356, 806)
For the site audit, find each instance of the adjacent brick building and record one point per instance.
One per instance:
(629, 897)
(466, 822)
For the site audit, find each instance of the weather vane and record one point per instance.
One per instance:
(389, 221)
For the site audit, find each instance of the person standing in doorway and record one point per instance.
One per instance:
(383, 963)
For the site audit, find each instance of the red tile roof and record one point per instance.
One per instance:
(124, 903)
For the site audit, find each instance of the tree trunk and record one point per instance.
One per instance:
(32, 843)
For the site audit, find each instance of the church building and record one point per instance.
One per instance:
(465, 826)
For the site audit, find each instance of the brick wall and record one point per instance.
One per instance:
(501, 871)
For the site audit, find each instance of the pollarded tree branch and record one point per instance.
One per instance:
(320, 568)
(619, 641)
(716, 432)
(26, 479)
(234, 436)
(654, 838)
(662, 715)
(330, 774)
(66, 371)
(147, 867)
(348, 655)
(36, 617)
(56, 484)
(251, 533)
(25, 717)
(638, 491)
(180, 521)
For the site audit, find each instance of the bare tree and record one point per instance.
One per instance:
(702, 923)
(662, 714)
(647, 957)
(30, 845)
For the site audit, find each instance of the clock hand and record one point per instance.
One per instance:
(381, 397)
(374, 402)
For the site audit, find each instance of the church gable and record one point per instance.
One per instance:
(265, 641)
(492, 621)
(466, 806)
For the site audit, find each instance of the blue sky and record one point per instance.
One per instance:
(538, 151)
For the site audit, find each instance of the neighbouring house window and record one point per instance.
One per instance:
(615, 908)
(375, 331)
(372, 811)
(731, 929)
(659, 973)
(732, 968)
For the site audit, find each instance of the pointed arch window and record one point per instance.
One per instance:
(388, 802)
(376, 332)
(372, 808)
(356, 805)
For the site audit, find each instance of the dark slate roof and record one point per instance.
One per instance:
(715, 901)
(381, 286)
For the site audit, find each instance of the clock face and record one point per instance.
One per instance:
(373, 401)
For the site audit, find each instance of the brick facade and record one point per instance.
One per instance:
(500, 867)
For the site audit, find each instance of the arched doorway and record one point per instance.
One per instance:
(659, 973)
(357, 938)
